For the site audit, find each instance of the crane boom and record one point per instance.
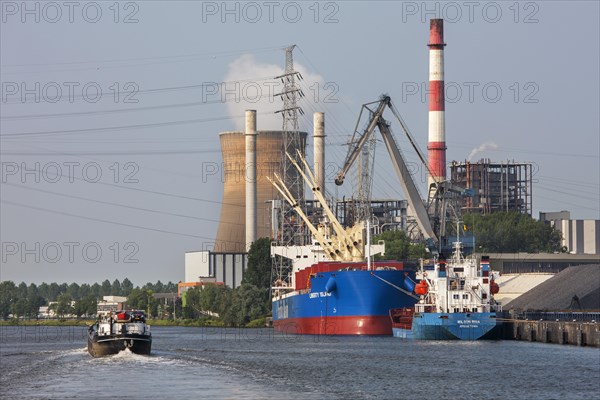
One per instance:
(353, 152)
(406, 181)
(333, 253)
(347, 244)
(353, 246)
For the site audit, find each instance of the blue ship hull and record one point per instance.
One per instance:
(449, 326)
(348, 302)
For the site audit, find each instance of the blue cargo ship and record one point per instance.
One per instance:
(343, 298)
(456, 302)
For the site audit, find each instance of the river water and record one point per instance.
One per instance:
(218, 363)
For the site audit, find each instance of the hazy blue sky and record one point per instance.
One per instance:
(140, 162)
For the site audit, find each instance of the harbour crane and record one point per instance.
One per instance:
(432, 223)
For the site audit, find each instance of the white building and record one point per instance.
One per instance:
(579, 236)
(228, 268)
(111, 304)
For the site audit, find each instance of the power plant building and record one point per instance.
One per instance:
(231, 233)
(497, 186)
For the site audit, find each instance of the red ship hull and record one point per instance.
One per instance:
(352, 325)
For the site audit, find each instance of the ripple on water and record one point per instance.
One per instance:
(186, 362)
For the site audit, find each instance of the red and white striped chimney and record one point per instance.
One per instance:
(437, 123)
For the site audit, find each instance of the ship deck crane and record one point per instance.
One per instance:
(346, 244)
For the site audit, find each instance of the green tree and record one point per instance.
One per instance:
(84, 290)
(63, 305)
(7, 296)
(511, 232)
(208, 299)
(73, 291)
(22, 290)
(34, 301)
(258, 272)
(141, 299)
(170, 287)
(192, 304)
(106, 288)
(62, 288)
(214, 298)
(418, 250)
(399, 247)
(247, 302)
(126, 287)
(19, 307)
(96, 290)
(86, 306)
(115, 288)
(53, 291)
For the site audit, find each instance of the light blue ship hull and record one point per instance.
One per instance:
(450, 326)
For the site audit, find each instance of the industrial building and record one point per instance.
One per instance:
(213, 267)
(523, 263)
(231, 233)
(388, 214)
(579, 236)
(496, 186)
(111, 304)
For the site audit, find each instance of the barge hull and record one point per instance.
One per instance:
(109, 346)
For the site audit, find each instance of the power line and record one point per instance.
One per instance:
(528, 151)
(568, 181)
(155, 192)
(110, 153)
(124, 127)
(102, 220)
(562, 202)
(123, 110)
(168, 60)
(578, 194)
(146, 91)
(143, 190)
(211, 53)
(117, 204)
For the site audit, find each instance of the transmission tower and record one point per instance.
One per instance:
(292, 231)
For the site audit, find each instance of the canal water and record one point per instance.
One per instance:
(217, 363)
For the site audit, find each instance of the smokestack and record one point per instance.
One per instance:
(319, 149)
(437, 123)
(250, 178)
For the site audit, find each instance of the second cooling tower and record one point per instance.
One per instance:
(269, 160)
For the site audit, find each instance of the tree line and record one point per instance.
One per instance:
(25, 300)
(511, 232)
(232, 307)
(500, 232)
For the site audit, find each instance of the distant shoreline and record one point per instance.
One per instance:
(152, 322)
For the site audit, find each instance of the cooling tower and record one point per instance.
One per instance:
(231, 234)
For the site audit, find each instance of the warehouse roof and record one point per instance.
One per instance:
(572, 288)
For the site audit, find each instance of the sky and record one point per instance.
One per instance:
(110, 112)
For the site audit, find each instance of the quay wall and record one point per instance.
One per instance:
(558, 332)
